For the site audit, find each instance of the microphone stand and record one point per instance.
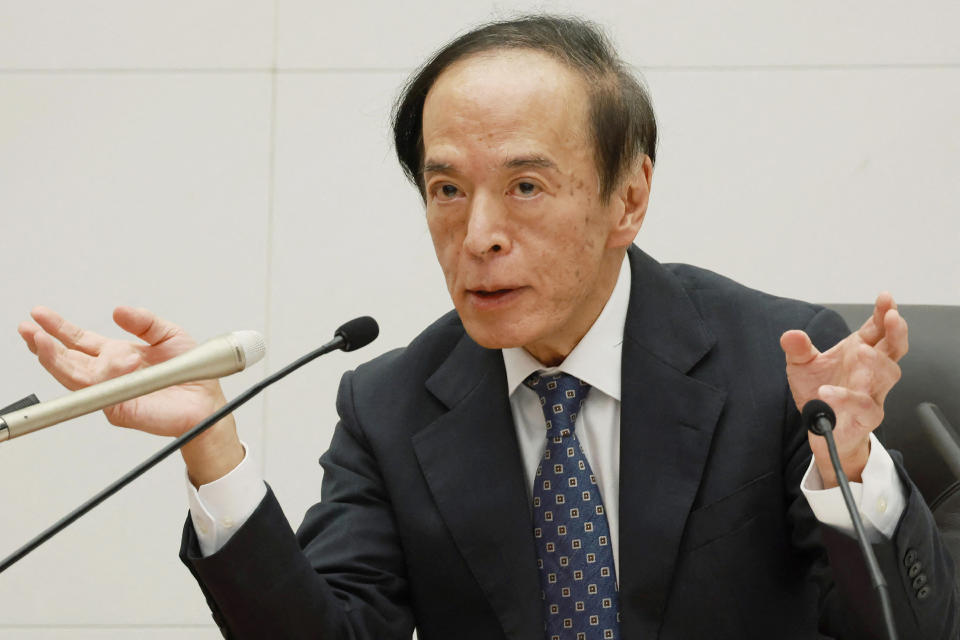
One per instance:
(820, 419)
(340, 341)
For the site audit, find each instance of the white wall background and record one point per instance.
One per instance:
(228, 165)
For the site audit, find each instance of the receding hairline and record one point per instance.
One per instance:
(533, 158)
(582, 75)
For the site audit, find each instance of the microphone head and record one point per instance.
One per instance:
(813, 411)
(251, 344)
(358, 332)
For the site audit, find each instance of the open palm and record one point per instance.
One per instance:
(78, 358)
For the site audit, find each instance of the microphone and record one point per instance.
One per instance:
(216, 358)
(357, 333)
(818, 417)
(351, 335)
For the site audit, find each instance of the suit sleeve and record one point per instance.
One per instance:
(918, 570)
(340, 576)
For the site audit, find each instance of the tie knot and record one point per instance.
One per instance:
(561, 396)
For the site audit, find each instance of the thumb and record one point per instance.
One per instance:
(144, 324)
(797, 347)
(115, 367)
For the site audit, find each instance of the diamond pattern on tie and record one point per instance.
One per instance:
(574, 556)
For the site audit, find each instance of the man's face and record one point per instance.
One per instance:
(529, 252)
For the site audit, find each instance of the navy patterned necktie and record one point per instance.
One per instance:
(574, 553)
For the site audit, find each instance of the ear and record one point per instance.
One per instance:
(631, 201)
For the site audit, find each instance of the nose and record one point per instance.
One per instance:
(487, 227)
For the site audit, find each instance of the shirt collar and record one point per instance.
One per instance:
(596, 358)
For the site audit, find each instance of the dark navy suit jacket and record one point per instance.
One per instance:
(424, 517)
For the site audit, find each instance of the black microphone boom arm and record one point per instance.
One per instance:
(365, 332)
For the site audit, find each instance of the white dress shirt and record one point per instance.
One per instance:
(218, 509)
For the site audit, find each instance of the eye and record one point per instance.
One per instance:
(526, 189)
(446, 191)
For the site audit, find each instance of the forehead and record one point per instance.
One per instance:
(504, 99)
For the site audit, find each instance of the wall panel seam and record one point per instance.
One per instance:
(65, 626)
(271, 191)
(273, 71)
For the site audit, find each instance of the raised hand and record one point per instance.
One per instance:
(853, 377)
(78, 358)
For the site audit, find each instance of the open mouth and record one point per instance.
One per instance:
(491, 299)
(491, 294)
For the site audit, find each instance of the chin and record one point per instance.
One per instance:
(501, 334)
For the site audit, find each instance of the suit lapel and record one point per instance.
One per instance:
(471, 462)
(666, 426)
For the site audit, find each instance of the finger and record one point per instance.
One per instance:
(27, 331)
(895, 342)
(55, 358)
(116, 363)
(66, 332)
(861, 368)
(797, 347)
(144, 324)
(872, 331)
(853, 407)
(873, 373)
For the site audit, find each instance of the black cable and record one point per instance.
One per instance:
(819, 418)
(341, 341)
(876, 575)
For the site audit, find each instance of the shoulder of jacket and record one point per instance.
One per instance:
(708, 289)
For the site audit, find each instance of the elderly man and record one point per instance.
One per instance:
(594, 445)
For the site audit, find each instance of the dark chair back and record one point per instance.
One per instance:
(931, 373)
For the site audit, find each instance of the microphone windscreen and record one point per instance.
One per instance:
(358, 332)
(252, 344)
(815, 409)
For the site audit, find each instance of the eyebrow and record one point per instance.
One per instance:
(540, 162)
(436, 167)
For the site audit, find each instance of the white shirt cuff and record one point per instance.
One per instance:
(881, 497)
(221, 507)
